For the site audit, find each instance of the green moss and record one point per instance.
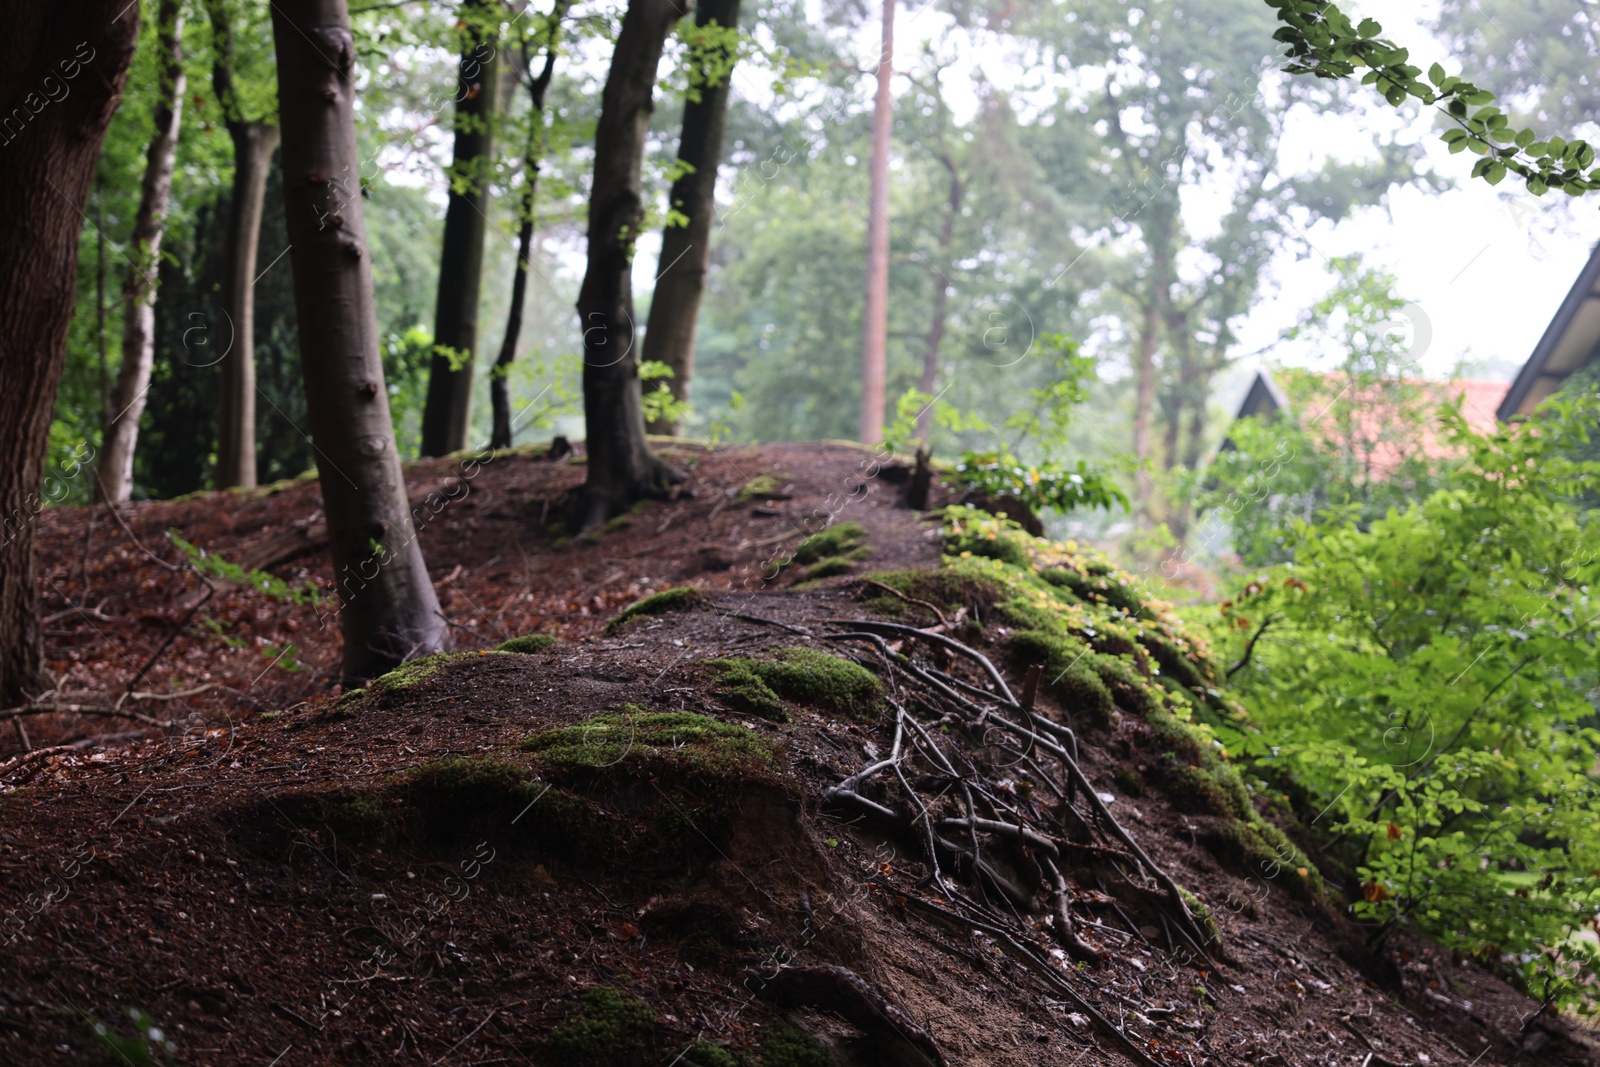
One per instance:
(408, 675)
(529, 643)
(1130, 689)
(1005, 545)
(678, 598)
(787, 1047)
(805, 676)
(680, 739)
(830, 567)
(705, 1054)
(358, 814)
(459, 783)
(1128, 780)
(1175, 663)
(1069, 674)
(1098, 589)
(1201, 912)
(745, 689)
(608, 1029)
(620, 522)
(1199, 792)
(761, 487)
(1260, 849)
(845, 539)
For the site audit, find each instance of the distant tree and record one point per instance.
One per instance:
(255, 138)
(448, 415)
(62, 68)
(532, 153)
(875, 315)
(691, 206)
(622, 468)
(389, 612)
(144, 255)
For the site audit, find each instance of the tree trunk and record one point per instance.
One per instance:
(875, 314)
(61, 69)
(1144, 398)
(447, 414)
(388, 609)
(621, 469)
(941, 298)
(144, 256)
(686, 247)
(499, 388)
(253, 145)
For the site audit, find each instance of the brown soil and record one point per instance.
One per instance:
(266, 880)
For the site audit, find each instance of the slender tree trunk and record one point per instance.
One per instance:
(499, 386)
(447, 414)
(253, 145)
(941, 297)
(621, 469)
(686, 247)
(1144, 398)
(875, 313)
(144, 258)
(388, 609)
(61, 72)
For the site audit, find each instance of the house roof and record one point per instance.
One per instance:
(1570, 342)
(1479, 402)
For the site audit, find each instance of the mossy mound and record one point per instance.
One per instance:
(678, 598)
(762, 487)
(408, 675)
(1259, 849)
(1068, 675)
(608, 1028)
(829, 568)
(787, 1047)
(528, 644)
(846, 540)
(803, 675)
(682, 740)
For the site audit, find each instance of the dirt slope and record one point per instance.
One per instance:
(609, 848)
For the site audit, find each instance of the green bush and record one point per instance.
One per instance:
(1428, 678)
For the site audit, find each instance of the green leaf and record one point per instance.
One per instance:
(1524, 138)
(1436, 75)
(1496, 171)
(1369, 28)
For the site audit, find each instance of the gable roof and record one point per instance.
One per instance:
(1569, 343)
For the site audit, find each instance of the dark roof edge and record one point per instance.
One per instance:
(1531, 370)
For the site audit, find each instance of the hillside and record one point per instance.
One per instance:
(921, 789)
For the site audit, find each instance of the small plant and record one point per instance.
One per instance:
(147, 1046)
(847, 540)
(214, 566)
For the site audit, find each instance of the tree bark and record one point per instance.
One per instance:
(941, 296)
(622, 469)
(875, 313)
(499, 388)
(388, 611)
(61, 72)
(144, 255)
(447, 413)
(253, 145)
(686, 248)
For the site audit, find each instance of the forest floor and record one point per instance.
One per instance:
(276, 873)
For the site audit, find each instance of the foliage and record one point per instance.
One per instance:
(1037, 486)
(1323, 41)
(1356, 441)
(1430, 679)
(214, 566)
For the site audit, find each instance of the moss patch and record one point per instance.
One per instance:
(1260, 849)
(678, 598)
(705, 1054)
(1068, 673)
(787, 1047)
(529, 643)
(682, 739)
(805, 676)
(607, 1029)
(830, 567)
(762, 487)
(847, 540)
(408, 675)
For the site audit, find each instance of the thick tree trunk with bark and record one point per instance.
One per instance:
(253, 145)
(144, 256)
(875, 315)
(447, 414)
(686, 247)
(388, 611)
(499, 388)
(621, 469)
(61, 72)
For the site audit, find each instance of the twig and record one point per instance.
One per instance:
(908, 599)
(99, 711)
(953, 645)
(1250, 647)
